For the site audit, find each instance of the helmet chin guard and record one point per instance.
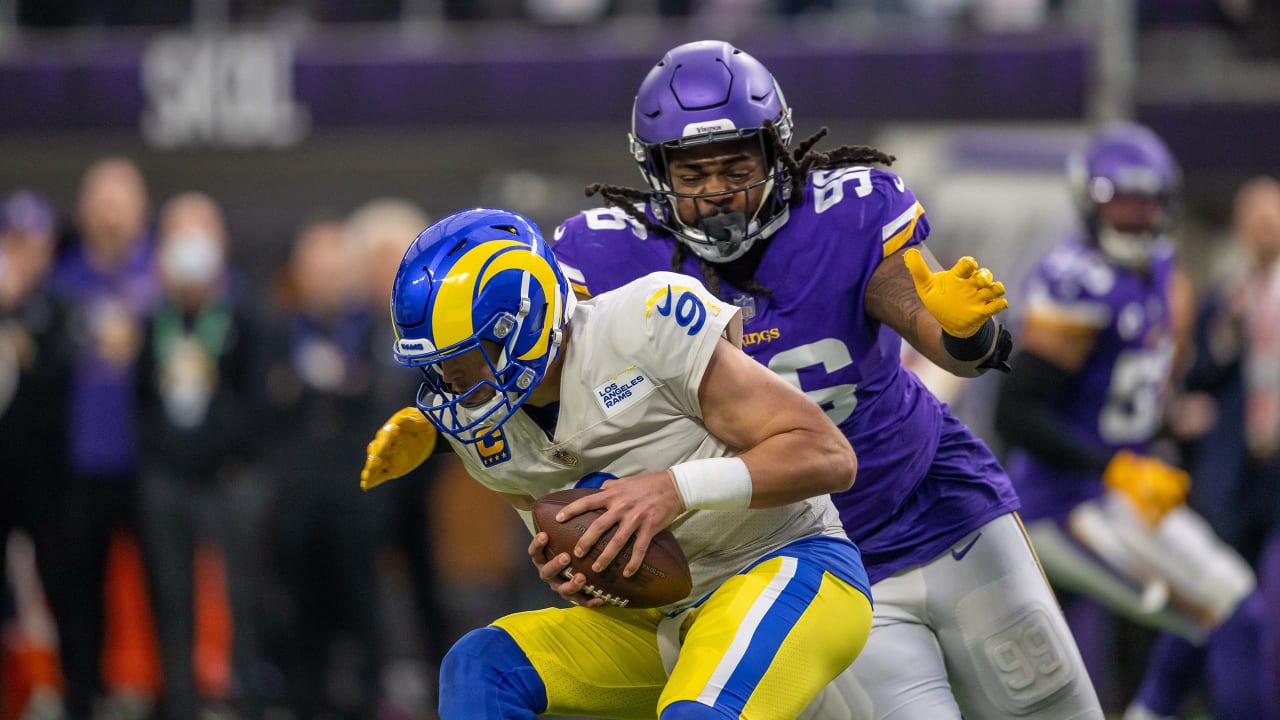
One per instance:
(1127, 249)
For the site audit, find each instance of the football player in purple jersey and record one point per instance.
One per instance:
(825, 255)
(1080, 412)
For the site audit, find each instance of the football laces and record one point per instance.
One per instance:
(596, 592)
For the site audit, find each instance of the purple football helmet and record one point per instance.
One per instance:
(1125, 160)
(709, 92)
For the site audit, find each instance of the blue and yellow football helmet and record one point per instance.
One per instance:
(476, 275)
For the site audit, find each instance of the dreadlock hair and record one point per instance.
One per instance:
(799, 164)
(804, 159)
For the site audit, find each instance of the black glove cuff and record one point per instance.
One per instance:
(972, 348)
(999, 359)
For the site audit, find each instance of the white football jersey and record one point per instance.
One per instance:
(629, 405)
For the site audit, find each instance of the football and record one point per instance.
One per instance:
(663, 577)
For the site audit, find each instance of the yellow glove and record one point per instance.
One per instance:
(1151, 486)
(962, 298)
(402, 444)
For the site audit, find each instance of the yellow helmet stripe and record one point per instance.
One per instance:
(540, 271)
(451, 320)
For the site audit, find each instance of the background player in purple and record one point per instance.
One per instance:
(1081, 409)
(824, 255)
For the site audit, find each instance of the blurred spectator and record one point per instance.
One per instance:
(32, 366)
(196, 398)
(107, 280)
(33, 381)
(319, 388)
(380, 231)
(1234, 380)
(1257, 222)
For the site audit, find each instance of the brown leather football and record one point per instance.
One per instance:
(663, 577)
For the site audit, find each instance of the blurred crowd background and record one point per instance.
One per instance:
(204, 202)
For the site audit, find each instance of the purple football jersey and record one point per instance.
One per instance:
(924, 480)
(106, 304)
(1116, 399)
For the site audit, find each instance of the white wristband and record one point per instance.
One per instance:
(722, 483)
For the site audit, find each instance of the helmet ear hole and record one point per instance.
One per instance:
(541, 317)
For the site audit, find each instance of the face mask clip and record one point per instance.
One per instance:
(503, 326)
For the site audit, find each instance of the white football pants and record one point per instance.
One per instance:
(975, 632)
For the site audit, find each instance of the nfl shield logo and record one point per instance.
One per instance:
(748, 305)
(564, 457)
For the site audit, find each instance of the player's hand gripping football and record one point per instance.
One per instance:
(1151, 486)
(640, 506)
(962, 298)
(551, 571)
(403, 443)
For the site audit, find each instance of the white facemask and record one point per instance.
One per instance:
(1128, 249)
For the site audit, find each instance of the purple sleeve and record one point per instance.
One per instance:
(1071, 287)
(901, 221)
(592, 248)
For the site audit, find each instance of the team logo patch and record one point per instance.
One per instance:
(492, 448)
(564, 457)
(622, 389)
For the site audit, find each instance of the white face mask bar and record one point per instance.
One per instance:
(1128, 249)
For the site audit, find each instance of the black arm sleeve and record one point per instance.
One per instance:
(1025, 417)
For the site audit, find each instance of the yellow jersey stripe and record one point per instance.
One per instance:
(900, 238)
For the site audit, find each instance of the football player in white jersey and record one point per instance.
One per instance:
(827, 257)
(646, 386)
